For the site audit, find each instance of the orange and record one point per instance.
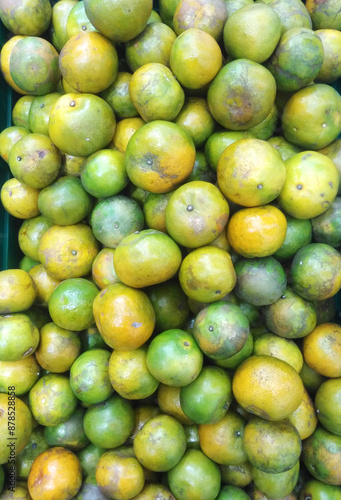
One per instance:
(222, 442)
(319, 488)
(89, 62)
(236, 475)
(321, 455)
(72, 165)
(252, 32)
(22, 374)
(167, 9)
(17, 291)
(68, 251)
(174, 358)
(146, 258)
(311, 379)
(8, 137)
(117, 95)
(326, 226)
(69, 433)
(21, 110)
(333, 151)
(19, 337)
(31, 18)
(306, 267)
(291, 316)
(275, 485)
(167, 95)
(129, 375)
(152, 490)
(287, 350)
(170, 305)
(202, 170)
(119, 475)
(266, 128)
(142, 413)
(58, 348)
(5, 62)
(193, 476)
(207, 15)
(258, 231)
(153, 45)
(250, 99)
(304, 417)
(285, 148)
(57, 471)
(326, 15)
(251, 172)
(35, 161)
(196, 214)
(104, 174)
(232, 362)
(207, 398)
(159, 156)
(168, 399)
(40, 109)
(160, 444)
(267, 387)
(207, 274)
(196, 118)
(312, 118)
(77, 21)
(60, 14)
(110, 423)
(45, 284)
(119, 20)
(322, 350)
(36, 73)
(81, 124)
(51, 399)
(331, 66)
(103, 271)
(299, 234)
(30, 234)
(124, 130)
(195, 58)
(89, 378)
(133, 320)
(154, 209)
(272, 447)
(218, 142)
(328, 405)
(292, 14)
(301, 44)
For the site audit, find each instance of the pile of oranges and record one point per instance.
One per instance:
(171, 331)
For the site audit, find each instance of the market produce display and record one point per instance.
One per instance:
(171, 327)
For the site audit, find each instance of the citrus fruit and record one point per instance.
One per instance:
(45, 284)
(77, 21)
(35, 446)
(252, 32)
(196, 119)
(311, 118)
(159, 156)
(19, 337)
(193, 476)
(137, 258)
(124, 130)
(76, 201)
(218, 142)
(236, 475)
(81, 124)
(196, 214)
(321, 454)
(58, 348)
(89, 378)
(35, 161)
(37, 72)
(152, 490)
(307, 280)
(257, 231)
(154, 208)
(333, 152)
(39, 114)
(16, 429)
(285, 148)
(207, 15)
(103, 271)
(142, 413)
(89, 456)
(266, 128)
(129, 374)
(229, 492)
(174, 358)
(292, 13)
(60, 13)
(251, 96)
(298, 235)
(272, 447)
(119, 475)
(168, 399)
(269, 344)
(88, 62)
(251, 172)
(17, 291)
(22, 374)
(69, 434)
(133, 320)
(304, 417)
(8, 137)
(160, 444)
(318, 489)
(222, 442)
(326, 227)
(221, 330)
(56, 471)
(21, 111)
(322, 349)
(5, 69)
(109, 424)
(311, 185)
(330, 70)
(117, 95)
(203, 286)
(302, 43)
(72, 165)
(275, 485)
(68, 251)
(26, 17)
(267, 387)
(92, 339)
(291, 316)
(119, 20)
(207, 399)
(51, 400)
(328, 405)
(311, 379)
(153, 45)
(202, 170)
(324, 15)
(232, 362)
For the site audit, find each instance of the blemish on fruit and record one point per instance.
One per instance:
(189, 208)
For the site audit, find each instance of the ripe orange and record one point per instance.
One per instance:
(322, 350)
(207, 15)
(304, 418)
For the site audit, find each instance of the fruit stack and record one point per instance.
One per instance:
(170, 329)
